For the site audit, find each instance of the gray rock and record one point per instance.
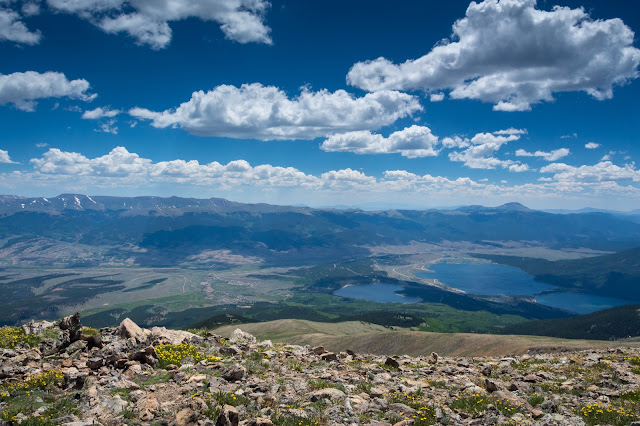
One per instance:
(95, 363)
(319, 350)
(491, 386)
(329, 356)
(549, 405)
(130, 330)
(240, 337)
(327, 393)
(234, 373)
(229, 416)
(390, 362)
(186, 416)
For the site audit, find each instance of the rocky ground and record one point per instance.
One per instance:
(63, 373)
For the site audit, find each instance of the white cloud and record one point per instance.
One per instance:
(554, 155)
(23, 88)
(121, 164)
(42, 145)
(31, 8)
(571, 136)
(436, 97)
(413, 142)
(108, 127)
(455, 142)
(147, 21)
(603, 171)
(482, 147)
(511, 131)
(513, 55)
(120, 169)
(4, 157)
(13, 29)
(518, 168)
(100, 112)
(265, 112)
(592, 145)
(346, 177)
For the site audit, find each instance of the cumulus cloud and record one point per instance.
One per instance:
(436, 97)
(455, 142)
(480, 150)
(22, 89)
(31, 8)
(120, 163)
(147, 21)
(267, 113)
(4, 157)
(120, 168)
(100, 112)
(592, 145)
(603, 171)
(513, 55)
(554, 155)
(413, 142)
(13, 29)
(346, 177)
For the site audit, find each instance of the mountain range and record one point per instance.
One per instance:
(167, 231)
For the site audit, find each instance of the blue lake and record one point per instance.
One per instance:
(491, 279)
(580, 303)
(488, 279)
(380, 293)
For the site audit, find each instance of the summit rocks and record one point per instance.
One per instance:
(138, 376)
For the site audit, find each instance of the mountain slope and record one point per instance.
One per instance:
(368, 338)
(614, 323)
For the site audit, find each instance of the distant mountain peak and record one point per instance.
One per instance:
(514, 207)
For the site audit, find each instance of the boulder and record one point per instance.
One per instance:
(390, 362)
(243, 338)
(33, 327)
(95, 363)
(147, 407)
(329, 356)
(186, 416)
(319, 350)
(229, 416)
(147, 355)
(326, 393)
(130, 330)
(69, 323)
(230, 350)
(175, 337)
(490, 385)
(72, 328)
(234, 373)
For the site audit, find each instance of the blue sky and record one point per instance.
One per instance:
(360, 103)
